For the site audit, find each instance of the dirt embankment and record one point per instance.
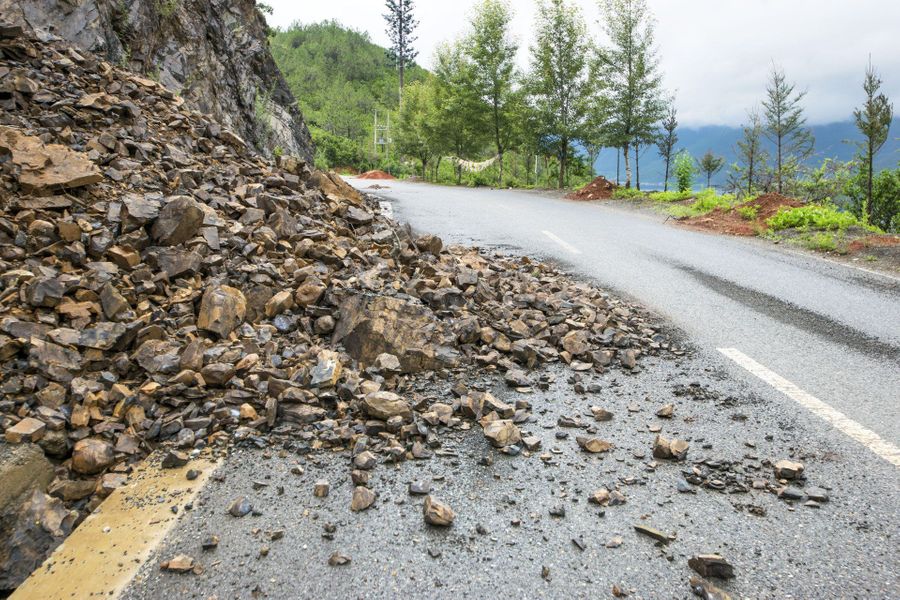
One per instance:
(748, 218)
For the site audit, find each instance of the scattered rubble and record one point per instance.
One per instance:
(711, 565)
(437, 513)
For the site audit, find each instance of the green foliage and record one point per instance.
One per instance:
(786, 128)
(492, 51)
(262, 114)
(826, 183)
(336, 151)
(340, 78)
(885, 204)
(629, 68)
(671, 196)
(684, 171)
(628, 194)
(167, 8)
(704, 202)
(264, 8)
(711, 164)
(748, 213)
(821, 241)
(558, 80)
(813, 216)
(874, 121)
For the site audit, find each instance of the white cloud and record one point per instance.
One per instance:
(715, 53)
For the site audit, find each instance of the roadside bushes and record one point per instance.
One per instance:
(628, 194)
(672, 196)
(685, 170)
(813, 216)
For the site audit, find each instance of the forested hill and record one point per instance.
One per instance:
(339, 76)
(834, 140)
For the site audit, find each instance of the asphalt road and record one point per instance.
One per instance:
(830, 330)
(833, 330)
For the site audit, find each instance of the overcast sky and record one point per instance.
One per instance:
(716, 54)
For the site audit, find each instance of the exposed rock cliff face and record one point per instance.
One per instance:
(212, 52)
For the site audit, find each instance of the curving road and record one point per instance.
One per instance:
(832, 330)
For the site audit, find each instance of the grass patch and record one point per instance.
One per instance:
(813, 216)
(825, 241)
(705, 202)
(671, 196)
(628, 194)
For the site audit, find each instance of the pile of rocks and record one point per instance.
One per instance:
(161, 284)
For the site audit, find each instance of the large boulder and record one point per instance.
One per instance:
(178, 221)
(372, 325)
(222, 309)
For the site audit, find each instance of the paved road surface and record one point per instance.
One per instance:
(822, 336)
(832, 330)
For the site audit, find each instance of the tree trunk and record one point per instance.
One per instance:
(708, 177)
(563, 148)
(637, 166)
(869, 184)
(666, 183)
(618, 157)
(625, 148)
(779, 188)
(750, 176)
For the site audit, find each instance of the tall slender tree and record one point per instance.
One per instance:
(493, 54)
(873, 120)
(752, 156)
(629, 67)
(667, 140)
(400, 27)
(460, 118)
(786, 126)
(558, 79)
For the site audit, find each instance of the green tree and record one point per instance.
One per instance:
(416, 132)
(667, 140)
(629, 69)
(493, 55)
(873, 120)
(400, 27)
(711, 164)
(684, 171)
(594, 135)
(460, 118)
(785, 126)
(752, 156)
(558, 78)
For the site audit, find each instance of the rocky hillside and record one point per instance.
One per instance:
(213, 53)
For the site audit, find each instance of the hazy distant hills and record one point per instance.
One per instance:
(835, 140)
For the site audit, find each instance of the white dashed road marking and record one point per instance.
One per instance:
(561, 242)
(836, 418)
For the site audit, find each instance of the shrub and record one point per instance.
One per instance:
(684, 171)
(813, 216)
(706, 201)
(628, 194)
(670, 196)
(335, 150)
(748, 213)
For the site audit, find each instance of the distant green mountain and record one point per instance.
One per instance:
(339, 77)
(834, 140)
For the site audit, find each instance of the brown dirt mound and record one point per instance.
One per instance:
(732, 222)
(376, 175)
(599, 189)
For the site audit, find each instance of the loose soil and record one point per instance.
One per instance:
(376, 175)
(731, 221)
(600, 188)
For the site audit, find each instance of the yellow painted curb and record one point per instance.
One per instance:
(104, 553)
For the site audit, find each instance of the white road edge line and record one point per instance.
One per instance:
(561, 242)
(836, 418)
